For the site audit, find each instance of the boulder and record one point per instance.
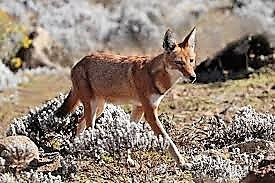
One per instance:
(264, 174)
(237, 60)
(43, 51)
(18, 151)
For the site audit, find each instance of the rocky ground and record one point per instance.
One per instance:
(223, 125)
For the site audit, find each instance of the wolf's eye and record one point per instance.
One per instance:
(191, 60)
(179, 62)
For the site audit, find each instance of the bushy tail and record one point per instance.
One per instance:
(68, 104)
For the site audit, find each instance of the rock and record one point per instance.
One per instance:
(234, 61)
(264, 174)
(18, 151)
(253, 146)
(48, 52)
(22, 48)
(42, 50)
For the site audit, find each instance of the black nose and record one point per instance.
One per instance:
(192, 79)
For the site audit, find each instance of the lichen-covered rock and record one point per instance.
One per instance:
(18, 151)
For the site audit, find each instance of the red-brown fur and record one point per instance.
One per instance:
(138, 80)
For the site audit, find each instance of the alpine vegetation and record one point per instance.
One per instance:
(82, 26)
(226, 153)
(260, 11)
(8, 79)
(223, 169)
(229, 151)
(31, 176)
(247, 125)
(113, 131)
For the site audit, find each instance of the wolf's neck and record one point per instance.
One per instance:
(174, 74)
(164, 78)
(157, 63)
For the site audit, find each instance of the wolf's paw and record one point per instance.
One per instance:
(80, 128)
(184, 166)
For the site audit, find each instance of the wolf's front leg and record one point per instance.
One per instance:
(137, 113)
(150, 114)
(81, 126)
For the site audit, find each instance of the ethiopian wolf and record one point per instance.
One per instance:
(138, 80)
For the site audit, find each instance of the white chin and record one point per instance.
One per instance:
(185, 79)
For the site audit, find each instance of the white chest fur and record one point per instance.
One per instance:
(155, 99)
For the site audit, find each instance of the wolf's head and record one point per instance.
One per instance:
(180, 56)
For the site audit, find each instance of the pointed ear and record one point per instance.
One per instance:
(189, 40)
(169, 41)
